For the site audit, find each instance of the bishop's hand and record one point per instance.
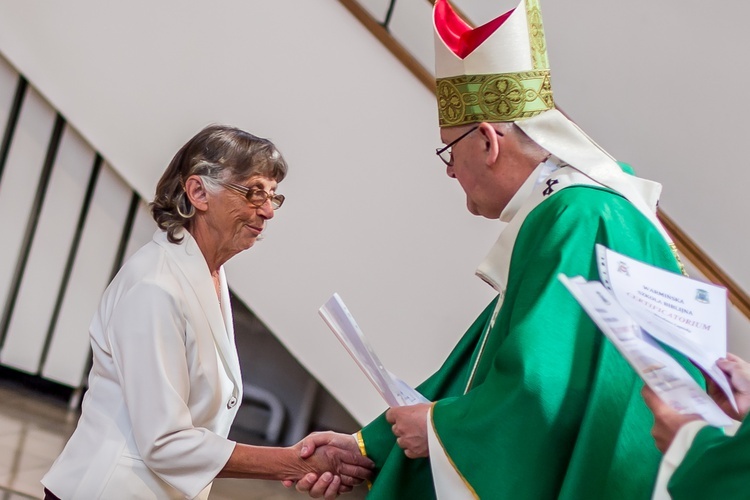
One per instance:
(409, 425)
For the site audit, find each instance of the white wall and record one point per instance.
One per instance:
(370, 213)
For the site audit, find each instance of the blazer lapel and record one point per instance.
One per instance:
(233, 361)
(191, 262)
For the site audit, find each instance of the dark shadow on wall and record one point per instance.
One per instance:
(283, 402)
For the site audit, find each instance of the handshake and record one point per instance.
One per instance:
(327, 464)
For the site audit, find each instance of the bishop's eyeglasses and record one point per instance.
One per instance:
(446, 152)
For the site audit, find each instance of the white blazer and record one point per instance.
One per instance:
(165, 384)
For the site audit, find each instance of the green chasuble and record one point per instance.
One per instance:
(553, 410)
(715, 467)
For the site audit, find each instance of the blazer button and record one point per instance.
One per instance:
(231, 403)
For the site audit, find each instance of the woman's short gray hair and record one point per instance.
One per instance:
(217, 153)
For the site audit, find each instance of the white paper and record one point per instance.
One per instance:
(685, 314)
(660, 371)
(395, 391)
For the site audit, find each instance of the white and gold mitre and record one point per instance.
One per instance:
(497, 72)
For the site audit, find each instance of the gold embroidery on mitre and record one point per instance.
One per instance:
(450, 102)
(536, 35)
(504, 97)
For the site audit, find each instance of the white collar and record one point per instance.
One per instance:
(539, 175)
(495, 267)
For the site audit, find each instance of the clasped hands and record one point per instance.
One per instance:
(409, 425)
(668, 421)
(329, 463)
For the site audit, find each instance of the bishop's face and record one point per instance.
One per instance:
(482, 164)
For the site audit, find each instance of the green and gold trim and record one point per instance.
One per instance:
(466, 482)
(504, 97)
(536, 35)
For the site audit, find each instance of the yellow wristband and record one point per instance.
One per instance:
(361, 443)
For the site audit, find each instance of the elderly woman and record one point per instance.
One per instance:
(165, 384)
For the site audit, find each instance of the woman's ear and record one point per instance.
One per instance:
(196, 193)
(492, 142)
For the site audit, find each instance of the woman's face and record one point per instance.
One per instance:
(234, 221)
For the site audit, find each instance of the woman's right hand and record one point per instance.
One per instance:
(338, 462)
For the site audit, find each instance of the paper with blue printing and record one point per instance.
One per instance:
(636, 304)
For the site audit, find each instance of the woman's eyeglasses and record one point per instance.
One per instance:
(256, 197)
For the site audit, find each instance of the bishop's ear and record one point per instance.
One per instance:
(196, 192)
(493, 140)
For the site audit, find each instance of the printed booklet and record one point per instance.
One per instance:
(635, 305)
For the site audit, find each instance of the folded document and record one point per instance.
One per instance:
(636, 304)
(395, 391)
